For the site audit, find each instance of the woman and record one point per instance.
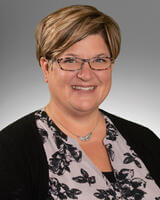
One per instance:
(71, 149)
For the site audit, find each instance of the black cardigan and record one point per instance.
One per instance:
(23, 162)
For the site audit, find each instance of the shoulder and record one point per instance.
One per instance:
(142, 140)
(21, 141)
(20, 130)
(20, 144)
(131, 130)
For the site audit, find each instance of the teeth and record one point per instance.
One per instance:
(83, 88)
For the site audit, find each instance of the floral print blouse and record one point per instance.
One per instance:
(73, 176)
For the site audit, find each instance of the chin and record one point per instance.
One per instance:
(85, 107)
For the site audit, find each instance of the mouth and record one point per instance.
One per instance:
(83, 88)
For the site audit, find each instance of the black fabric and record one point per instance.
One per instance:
(23, 162)
(110, 176)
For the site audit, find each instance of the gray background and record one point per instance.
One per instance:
(135, 90)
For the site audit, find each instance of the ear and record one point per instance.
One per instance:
(45, 68)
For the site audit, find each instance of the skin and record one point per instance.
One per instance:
(60, 82)
(78, 109)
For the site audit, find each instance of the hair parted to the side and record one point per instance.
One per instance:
(66, 26)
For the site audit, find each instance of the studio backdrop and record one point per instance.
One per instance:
(135, 92)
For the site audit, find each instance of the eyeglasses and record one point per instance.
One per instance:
(74, 63)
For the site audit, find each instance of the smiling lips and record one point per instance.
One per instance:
(83, 88)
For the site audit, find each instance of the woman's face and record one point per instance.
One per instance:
(83, 90)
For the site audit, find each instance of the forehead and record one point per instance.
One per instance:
(90, 46)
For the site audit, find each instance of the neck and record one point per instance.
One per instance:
(74, 121)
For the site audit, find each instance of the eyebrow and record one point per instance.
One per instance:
(75, 55)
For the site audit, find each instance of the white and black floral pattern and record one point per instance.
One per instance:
(73, 176)
(85, 178)
(62, 190)
(61, 159)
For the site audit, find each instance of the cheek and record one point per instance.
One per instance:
(109, 79)
(59, 80)
(106, 79)
(106, 84)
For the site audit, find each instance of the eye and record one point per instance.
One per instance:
(69, 60)
(100, 60)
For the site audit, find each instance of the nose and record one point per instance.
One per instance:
(85, 73)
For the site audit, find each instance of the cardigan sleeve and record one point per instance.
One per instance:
(13, 171)
(23, 163)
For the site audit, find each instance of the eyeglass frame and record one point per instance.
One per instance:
(58, 60)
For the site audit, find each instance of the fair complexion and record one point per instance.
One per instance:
(60, 83)
(77, 109)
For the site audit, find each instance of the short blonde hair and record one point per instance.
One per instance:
(66, 26)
